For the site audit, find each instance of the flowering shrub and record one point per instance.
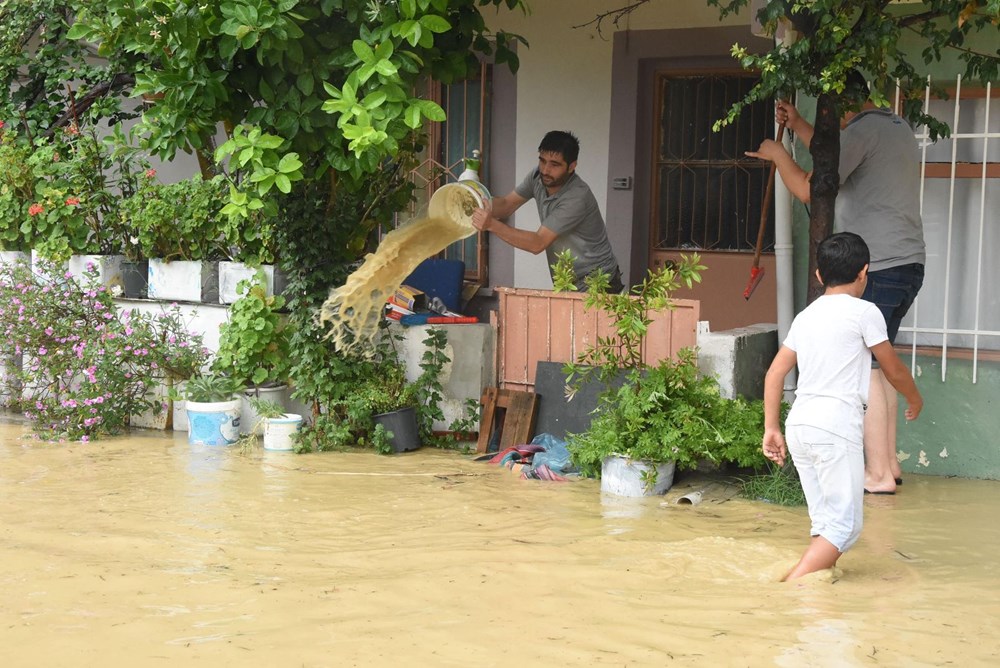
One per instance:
(86, 366)
(60, 194)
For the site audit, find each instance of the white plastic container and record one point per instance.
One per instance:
(216, 423)
(629, 477)
(456, 201)
(278, 431)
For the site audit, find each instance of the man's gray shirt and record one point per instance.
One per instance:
(879, 196)
(572, 213)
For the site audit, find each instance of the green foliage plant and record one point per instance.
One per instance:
(663, 413)
(179, 221)
(208, 388)
(253, 342)
(87, 365)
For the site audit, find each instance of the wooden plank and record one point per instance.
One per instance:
(519, 422)
(511, 411)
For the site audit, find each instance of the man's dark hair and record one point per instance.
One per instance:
(840, 258)
(564, 143)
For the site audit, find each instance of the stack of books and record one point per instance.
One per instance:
(405, 301)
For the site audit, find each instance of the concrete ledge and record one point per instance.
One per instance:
(738, 358)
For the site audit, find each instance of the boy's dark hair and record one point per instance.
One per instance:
(840, 258)
(564, 143)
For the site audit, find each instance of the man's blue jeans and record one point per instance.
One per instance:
(893, 291)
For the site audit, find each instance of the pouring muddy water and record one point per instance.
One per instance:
(353, 310)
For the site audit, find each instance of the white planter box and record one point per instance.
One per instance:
(109, 269)
(231, 273)
(36, 267)
(13, 257)
(183, 280)
(151, 419)
(627, 477)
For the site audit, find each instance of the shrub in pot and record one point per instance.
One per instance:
(213, 409)
(658, 419)
(253, 345)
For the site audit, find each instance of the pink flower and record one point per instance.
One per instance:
(150, 173)
(72, 129)
(72, 201)
(35, 209)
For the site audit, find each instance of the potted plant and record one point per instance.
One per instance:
(213, 409)
(253, 346)
(640, 432)
(277, 429)
(181, 229)
(385, 404)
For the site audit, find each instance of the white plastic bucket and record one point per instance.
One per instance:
(216, 423)
(278, 431)
(457, 201)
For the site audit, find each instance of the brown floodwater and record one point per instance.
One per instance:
(145, 551)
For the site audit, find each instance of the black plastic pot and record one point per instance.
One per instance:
(135, 279)
(402, 424)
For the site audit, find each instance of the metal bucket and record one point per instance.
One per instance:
(457, 201)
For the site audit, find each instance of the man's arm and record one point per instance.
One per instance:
(774, 382)
(897, 374)
(786, 114)
(490, 221)
(794, 177)
(503, 207)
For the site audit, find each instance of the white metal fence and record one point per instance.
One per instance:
(959, 304)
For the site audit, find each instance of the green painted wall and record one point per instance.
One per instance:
(958, 432)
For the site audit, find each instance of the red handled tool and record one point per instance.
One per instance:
(757, 271)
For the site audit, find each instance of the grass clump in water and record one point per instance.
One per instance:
(780, 485)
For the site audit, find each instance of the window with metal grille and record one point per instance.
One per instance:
(707, 195)
(466, 105)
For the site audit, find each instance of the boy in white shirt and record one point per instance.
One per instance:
(832, 341)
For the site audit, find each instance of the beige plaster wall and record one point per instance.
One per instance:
(564, 82)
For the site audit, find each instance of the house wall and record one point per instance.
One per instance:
(565, 82)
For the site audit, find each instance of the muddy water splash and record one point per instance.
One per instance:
(354, 309)
(144, 551)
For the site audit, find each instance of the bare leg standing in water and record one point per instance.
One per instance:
(881, 465)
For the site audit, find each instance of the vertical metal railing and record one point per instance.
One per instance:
(959, 221)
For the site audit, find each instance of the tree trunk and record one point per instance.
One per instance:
(825, 182)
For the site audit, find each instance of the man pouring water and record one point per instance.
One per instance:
(570, 217)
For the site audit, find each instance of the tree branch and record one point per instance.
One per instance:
(617, 14)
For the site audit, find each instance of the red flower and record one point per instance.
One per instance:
(1, 125)
(35, 209)
(72, 201)
(150, 173)
(72, 129)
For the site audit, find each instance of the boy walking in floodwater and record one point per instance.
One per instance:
(832, 341)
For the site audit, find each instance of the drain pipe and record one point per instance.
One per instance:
(784, 257)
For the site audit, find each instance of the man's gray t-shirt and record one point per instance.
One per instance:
(879, 196)
(572, 213)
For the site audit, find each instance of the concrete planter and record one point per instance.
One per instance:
(184, 280)
(44, 274)
(13, 257)
(109, 269)
(231, 273)
(629, 477)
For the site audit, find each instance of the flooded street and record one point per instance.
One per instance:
(144, 551)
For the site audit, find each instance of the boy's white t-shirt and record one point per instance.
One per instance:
(832, 339)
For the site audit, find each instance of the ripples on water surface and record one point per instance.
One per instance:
(144, 551)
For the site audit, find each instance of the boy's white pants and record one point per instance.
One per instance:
(832, 472)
